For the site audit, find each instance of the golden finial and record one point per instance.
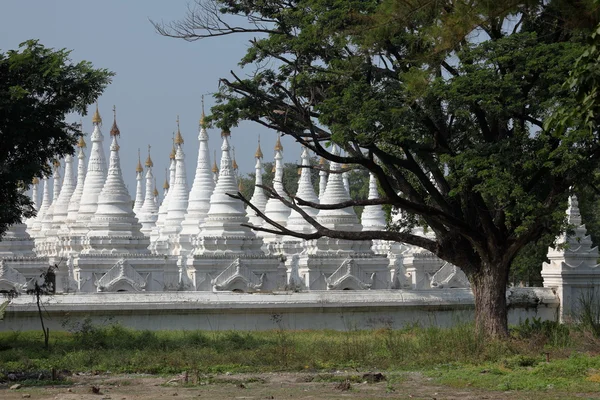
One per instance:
(173, 153)
(139, 165)
(114, 131)
(56, 163)
(299, 171)
(273, 169)
(166, 184)
(322, 161)
(149, 162)
(203, 117)
(225, 132)
(81, 144)
(241, 186)
(278, 146)
(234, 163)
(35, 180)
(259, 153)
(97, 119)
(178, 137)
(155, 189)
(215, 169)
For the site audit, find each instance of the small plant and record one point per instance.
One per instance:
(44, 286)
(589, 311)
(285, 345)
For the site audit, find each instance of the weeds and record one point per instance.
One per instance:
(589, 310)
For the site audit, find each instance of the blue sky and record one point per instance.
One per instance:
(157, 78)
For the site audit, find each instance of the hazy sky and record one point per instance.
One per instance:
(157, 78)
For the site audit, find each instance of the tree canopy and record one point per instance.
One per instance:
(444, 101)
(39, 87)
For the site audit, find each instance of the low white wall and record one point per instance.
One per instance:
(338, 310)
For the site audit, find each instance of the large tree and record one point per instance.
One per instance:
(444, 101)
(39, 87)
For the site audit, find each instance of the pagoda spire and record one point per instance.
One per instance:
(36, 225)
(322, 177)
(226, 214)
(178, 192)
(164, 206)
(373, 217)
(306, 191)
(47, 228)
(335, 192)
(203, 186)
(114, 215)
(259, 199)
(215, 169)
(94, 180)
(148, 213)
(275, 209)
(61, 209)
(75, 201)
(139, 190)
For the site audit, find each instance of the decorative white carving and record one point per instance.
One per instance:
(238, 277)
(11, 279)
(449, 276)
(121, 276)
(349, 276)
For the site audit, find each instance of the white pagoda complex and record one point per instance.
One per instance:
(200, 238)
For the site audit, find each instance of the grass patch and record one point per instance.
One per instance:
(456, 356)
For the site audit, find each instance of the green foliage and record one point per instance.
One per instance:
(39, 87)
(445, 101)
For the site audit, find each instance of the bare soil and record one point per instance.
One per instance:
(264, 386)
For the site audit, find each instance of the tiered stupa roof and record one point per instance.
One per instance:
(75, 201)
(202, 188)
(149, 212)
(306, 192)
(259, 200)
(178, 192)
(139, 189)
(61, 208)
(114, 216)
(94, 180)
(226, 214)
(322, 177)
(340, 219)
(373, 217)
(275, 209)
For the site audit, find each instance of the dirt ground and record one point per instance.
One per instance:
(263, 386)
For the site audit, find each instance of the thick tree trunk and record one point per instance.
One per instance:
(489, 288)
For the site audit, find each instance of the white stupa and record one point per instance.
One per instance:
(178, 197)
(148, 214)
(37, 223)
(114, 227)
(306, 191)
(339, 219)
(139, 189)
(35, 183)
(275, 209)
(157, 235)
(258, 199)
(226, 214)
(202, 188)
(322, 177)
(48, 232)
(373, 217)
(94, 181)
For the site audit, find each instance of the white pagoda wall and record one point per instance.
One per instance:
(338, 310)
